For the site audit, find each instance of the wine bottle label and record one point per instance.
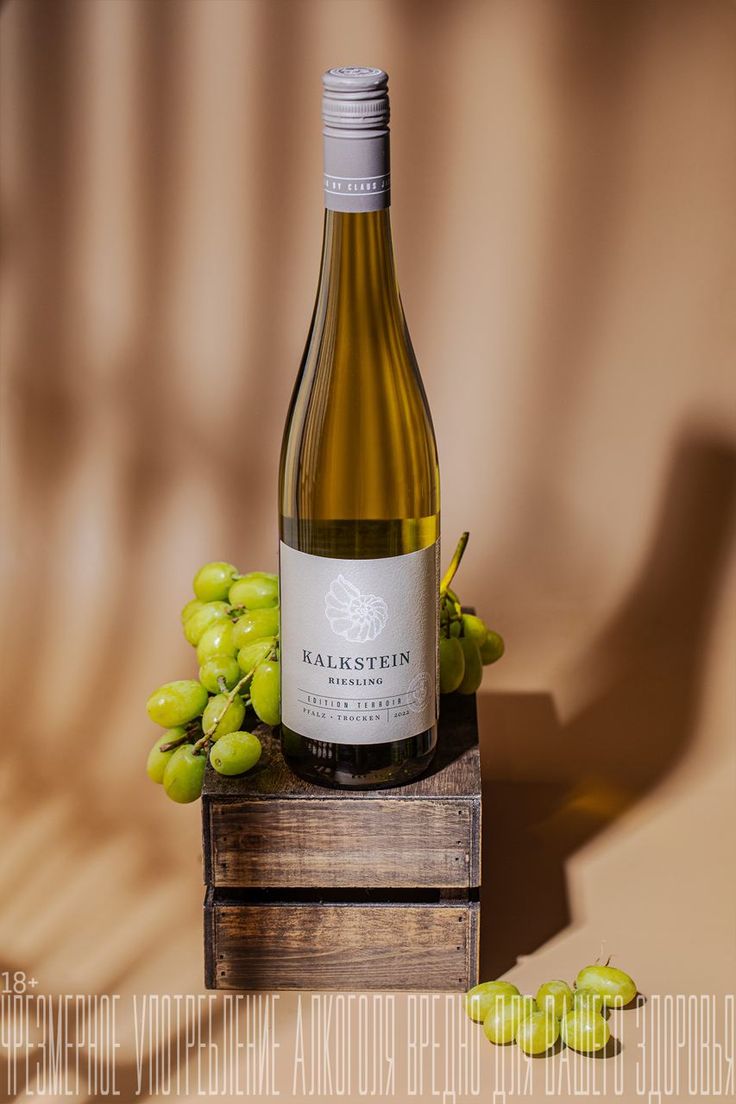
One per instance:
(359, 646)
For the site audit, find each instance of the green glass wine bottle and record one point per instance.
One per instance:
(359, 487)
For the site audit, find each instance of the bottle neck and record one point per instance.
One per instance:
(358, 303)
(358, 285)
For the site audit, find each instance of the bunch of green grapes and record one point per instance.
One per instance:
(576, 1016)
(233, 622)
(467, 645)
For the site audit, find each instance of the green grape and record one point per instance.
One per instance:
(213, 581)
(235, 753)
(587, 1000)
(265, 692)
(614, 986)
(584, 1031)
(257, 590)
(455, 628)
(219, 667)
(217, 640)
(254, 626)
(183, 775)
(452, 664)
(252, 654)
(231, 717)
(158, 759)
(555, 997)
(505, 1016)
(537, 1032)
(210, 614)
(492, 648)
(176, 703)
(480, 999)
(473, 672)
(474, 628)
(190, 608)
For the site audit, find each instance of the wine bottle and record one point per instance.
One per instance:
(358, 487)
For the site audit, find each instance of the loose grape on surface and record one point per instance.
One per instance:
(585, 1031)
(555, 997)
(537, 1032)
(505, 1016)
(480, 999)
(615, 987)
(588, 1000)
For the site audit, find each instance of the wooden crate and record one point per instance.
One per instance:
(314, 888)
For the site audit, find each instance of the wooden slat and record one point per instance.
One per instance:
(270, 828)
(343, 842)
(341, 946)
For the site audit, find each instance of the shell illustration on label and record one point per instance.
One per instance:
(418, 691)
(358, 617)
(365, 672)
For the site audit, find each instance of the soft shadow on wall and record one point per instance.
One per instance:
(549, 788)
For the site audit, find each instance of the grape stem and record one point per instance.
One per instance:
(175, 743)
(189, 729)
(457, 608)
(231, 698)
(454, 564)
(228, 702)
(207, 736)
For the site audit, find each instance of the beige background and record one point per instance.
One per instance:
(564, 176)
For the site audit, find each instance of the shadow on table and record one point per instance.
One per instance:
(549, 788)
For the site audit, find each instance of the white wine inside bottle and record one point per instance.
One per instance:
(358, 487)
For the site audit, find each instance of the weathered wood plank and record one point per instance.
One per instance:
(343, 842)
(341, 946)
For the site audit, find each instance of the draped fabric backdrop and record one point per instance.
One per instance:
(564, 178)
